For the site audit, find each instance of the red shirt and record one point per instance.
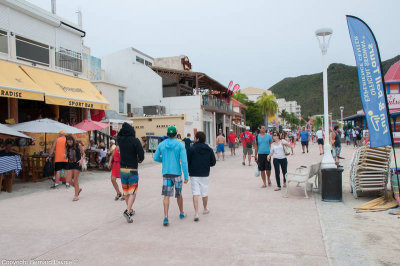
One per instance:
(232, 137)
(247, 137)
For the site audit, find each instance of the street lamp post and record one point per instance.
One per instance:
(341, 114)
(324, 36)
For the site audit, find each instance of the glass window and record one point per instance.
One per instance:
(121, 101)
(32, 51)
(68, 60)
(139, 59)
(147, 63)
(3, 42)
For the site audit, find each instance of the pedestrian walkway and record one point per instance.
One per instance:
(247, 224)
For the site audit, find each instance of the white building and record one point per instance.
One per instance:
(289, 107)
(131, 68)
(41, 58)
(253, 94)
(205, 102)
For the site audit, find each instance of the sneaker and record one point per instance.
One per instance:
(127, 216)
(132, 213)
(206, 211)
(67, 185)
(54, 186)
(166, 222)
(196, 218)
(182, 215)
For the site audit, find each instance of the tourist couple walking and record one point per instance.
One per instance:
(172, 154)
(267, 147)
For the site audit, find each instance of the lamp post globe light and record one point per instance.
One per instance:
(324, 35)
(341, 114)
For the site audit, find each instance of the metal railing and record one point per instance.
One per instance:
(221, 104)
(68, 60)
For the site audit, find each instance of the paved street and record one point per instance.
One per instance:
(247, 224)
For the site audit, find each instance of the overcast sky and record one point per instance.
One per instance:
(253, 43)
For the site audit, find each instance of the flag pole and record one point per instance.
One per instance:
(386, 101)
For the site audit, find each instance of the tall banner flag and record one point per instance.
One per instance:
(230, 85)
(235, 88)
(370, 79)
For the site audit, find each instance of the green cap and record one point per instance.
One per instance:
(171, 130)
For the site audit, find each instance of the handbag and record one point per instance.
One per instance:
(286, 149)
(48, 170)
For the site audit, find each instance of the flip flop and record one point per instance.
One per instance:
(75, 199)
(79, 191)
(277, 189)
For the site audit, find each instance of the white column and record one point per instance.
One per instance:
(213, 131)
(223, 125)
(327, 161)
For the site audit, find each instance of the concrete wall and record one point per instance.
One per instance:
(173, 62)
(188, 105)
(111, 93)
(144, 86)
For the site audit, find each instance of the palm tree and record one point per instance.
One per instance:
(318, 122)
(241, 97)
(284, 115)
(268, 105)
(293, 120)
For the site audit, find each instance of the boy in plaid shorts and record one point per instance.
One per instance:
(172, 154)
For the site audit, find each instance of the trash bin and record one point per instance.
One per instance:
(332, 184)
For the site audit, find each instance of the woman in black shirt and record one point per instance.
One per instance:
(75, 154)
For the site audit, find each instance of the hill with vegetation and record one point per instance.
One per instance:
(343, 90)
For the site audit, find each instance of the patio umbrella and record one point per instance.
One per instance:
(5, 130)
(89, 125)
(45, 126)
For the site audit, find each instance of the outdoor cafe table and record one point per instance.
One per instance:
(9, 165)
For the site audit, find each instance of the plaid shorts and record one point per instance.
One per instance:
(171, 182)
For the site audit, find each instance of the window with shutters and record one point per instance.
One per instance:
(3, 42)
(32, 51)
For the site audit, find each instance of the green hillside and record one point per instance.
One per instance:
(342, 88)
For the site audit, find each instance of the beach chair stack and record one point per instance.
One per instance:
(370, 169)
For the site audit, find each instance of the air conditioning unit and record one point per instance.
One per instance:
(154, 110)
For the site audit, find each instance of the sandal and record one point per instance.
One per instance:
(119, 195)
(75, 199)
(277, 189)
(79, 192)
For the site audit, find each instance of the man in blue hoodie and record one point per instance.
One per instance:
(200, 158)
(172, 154)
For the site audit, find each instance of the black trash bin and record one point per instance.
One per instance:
(332, 184)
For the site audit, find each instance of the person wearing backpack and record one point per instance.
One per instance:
(247, 140)
(262, 150)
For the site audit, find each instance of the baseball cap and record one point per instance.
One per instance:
(171, 130)
(247, 128)
(231, 130)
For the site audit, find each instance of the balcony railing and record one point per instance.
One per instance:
(221, 104)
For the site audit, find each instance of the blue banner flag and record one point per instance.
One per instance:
(372, 92)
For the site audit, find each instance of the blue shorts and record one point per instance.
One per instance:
(221, 147)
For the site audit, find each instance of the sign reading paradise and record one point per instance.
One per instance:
(372, 91)
(20, 94)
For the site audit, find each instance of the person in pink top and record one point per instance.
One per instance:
(115, 173)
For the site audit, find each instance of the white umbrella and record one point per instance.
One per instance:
(46, 126)
(11, 132)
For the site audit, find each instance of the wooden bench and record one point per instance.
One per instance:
(302, 175)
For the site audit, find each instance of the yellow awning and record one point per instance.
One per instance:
(14, 83)
(66, 90)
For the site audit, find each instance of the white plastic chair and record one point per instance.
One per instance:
(301, 175)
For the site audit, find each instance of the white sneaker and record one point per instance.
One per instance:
(206, 211)
(196, 218)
